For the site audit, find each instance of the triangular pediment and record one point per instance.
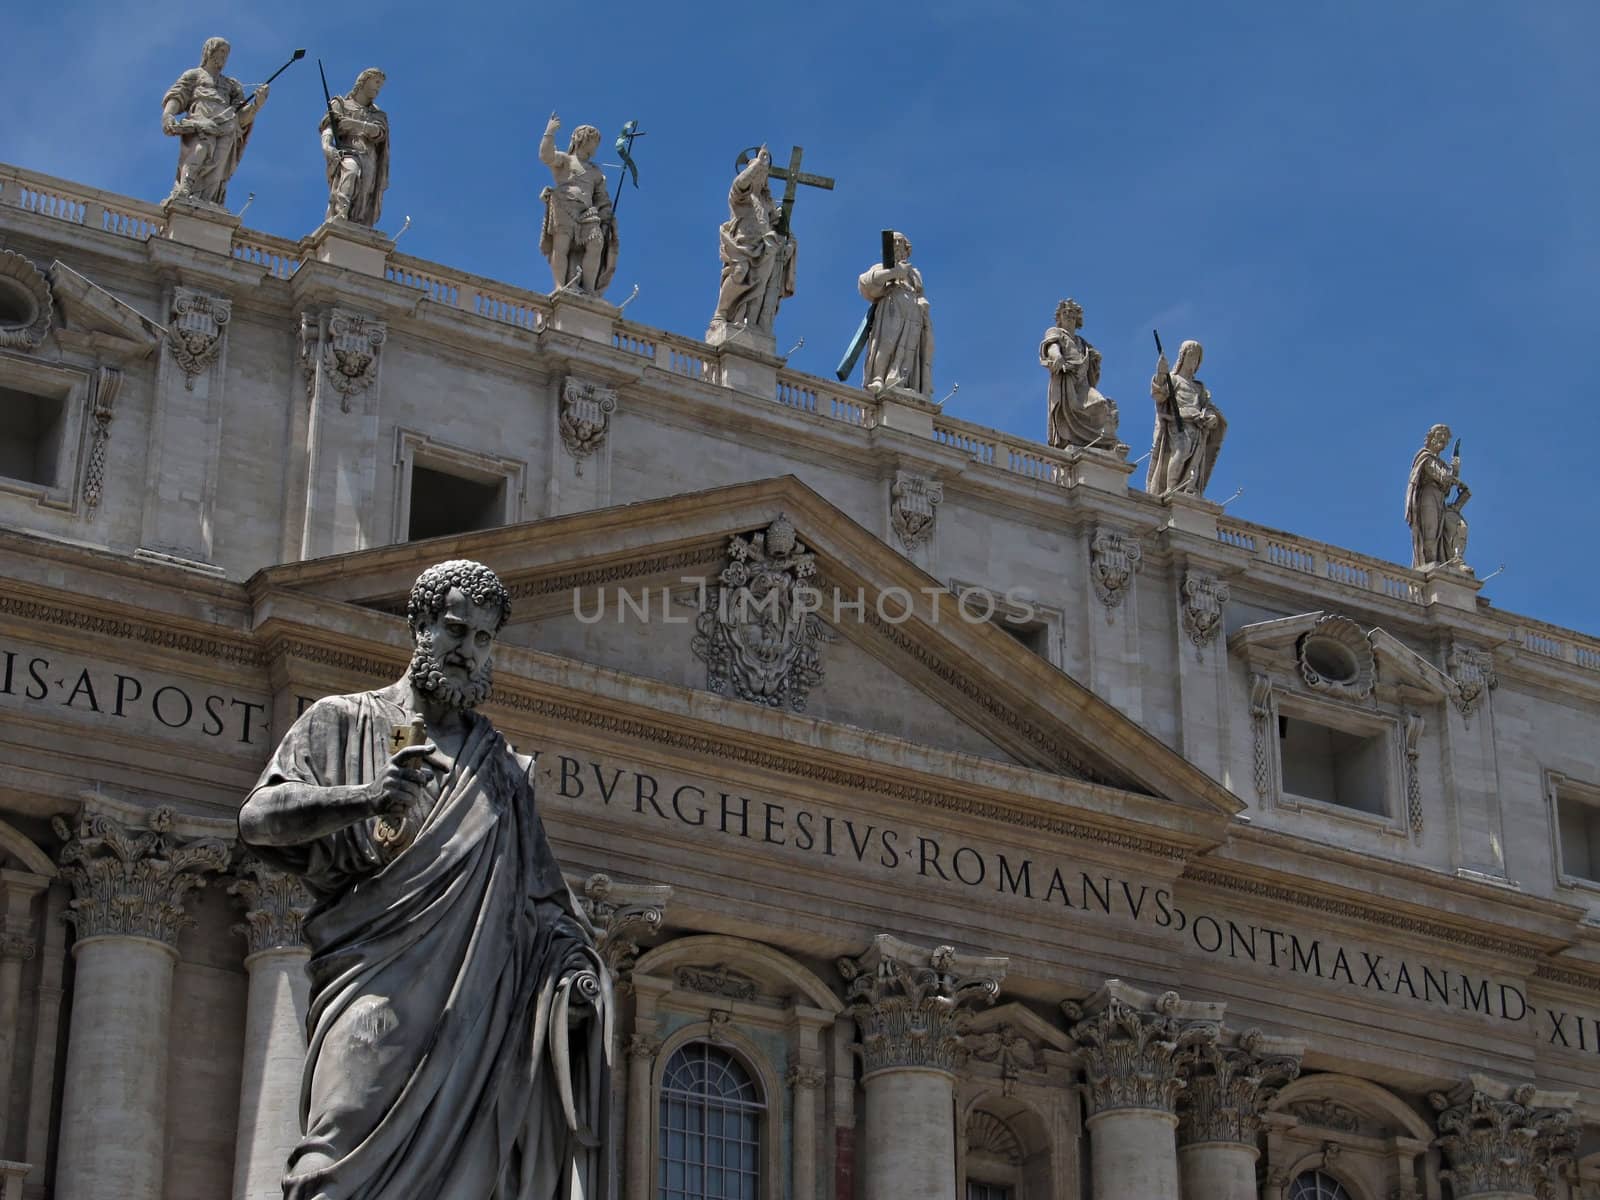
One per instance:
(993, 697)
(1375, 658)
(98, 321)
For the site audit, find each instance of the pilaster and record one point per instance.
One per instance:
(18, 891)
(580, 441)
(341, 353)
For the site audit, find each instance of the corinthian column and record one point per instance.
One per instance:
(1134, 1046)
(1503, 1142)
(804, 1082)
(129, 887)
(274, 1028)
(910, 1006)
(1227, 1085)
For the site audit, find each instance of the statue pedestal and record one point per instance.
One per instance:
(1450, 587)
(746, 366)
(1193, 514)
(1102, 470)
(203, 226)
(742, 337)
(903, 409)
(352, 247)
(588, 317)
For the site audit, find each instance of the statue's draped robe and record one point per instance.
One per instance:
(1078, 413)
(900, 348)
(211, 158)
(1175, 454)
(440, 1050)
(758, 263)
(371, 157)
(1437, 530)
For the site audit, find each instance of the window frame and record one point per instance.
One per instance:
(1330, 714)
(756, 1108)
(1559, 788)
(775, 1115)
(413, 448)
(71, 388)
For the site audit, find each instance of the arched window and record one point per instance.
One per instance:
(1317, 1185)
(711, 1113)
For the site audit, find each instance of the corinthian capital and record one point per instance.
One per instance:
(1227, 1084)
(911, 1004)
(621, 913)
(1500, 1138)
(275, 905)
(132, 882)
(1135, 1045)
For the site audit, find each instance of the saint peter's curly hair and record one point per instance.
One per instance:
(481, 585)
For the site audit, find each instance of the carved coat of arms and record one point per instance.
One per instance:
(759, 633)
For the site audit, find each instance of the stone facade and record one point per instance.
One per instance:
(1150, 853)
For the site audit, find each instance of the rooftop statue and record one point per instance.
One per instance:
(579, 236)
(1189, 428)
(355, 143)
(1438, 530)
(1078, 414)
(900, 341)
(211, 115)
(459, 1012)
(758, 258)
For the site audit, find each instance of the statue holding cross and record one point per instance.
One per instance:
(758, 248)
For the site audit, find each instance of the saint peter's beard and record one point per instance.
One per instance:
(428, 676)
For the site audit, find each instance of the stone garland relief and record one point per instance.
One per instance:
(1203, 598)
(1114, 559)
(25, 303)
(756, 640)
(129, 882)
(1260, 729)
(913, 504)
(195, 331)
(1413, 736)
(718, 980)
(585, 418)
(107, 385)
(1009, 1050)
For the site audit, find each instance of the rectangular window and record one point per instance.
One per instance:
(1578, 831)
(989, 1191)
(1334, 766)
(32, 429)
(442, 504)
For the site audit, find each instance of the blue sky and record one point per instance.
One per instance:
(1375, 215)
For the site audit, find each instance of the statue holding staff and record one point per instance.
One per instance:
(1438, 530)
(1079, 415)
(355, 143)
(1189, 427)
(211, 116)
(460, 1016)
(579, 235)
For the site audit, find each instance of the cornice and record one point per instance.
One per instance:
(218, 648)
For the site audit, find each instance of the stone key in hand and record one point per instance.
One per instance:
(392, 831)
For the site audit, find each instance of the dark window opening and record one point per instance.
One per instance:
(443, 504)
(30, 436)
(1333, 766)
(1579, 829)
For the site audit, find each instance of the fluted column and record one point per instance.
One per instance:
(1134, 1046)
(129, 887)
(18, 889)
(274, 1028)
(642, 1051)
(910, 1006)
(1503, 1142)
(1227, 1085)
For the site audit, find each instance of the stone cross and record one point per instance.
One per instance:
(793, 177)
